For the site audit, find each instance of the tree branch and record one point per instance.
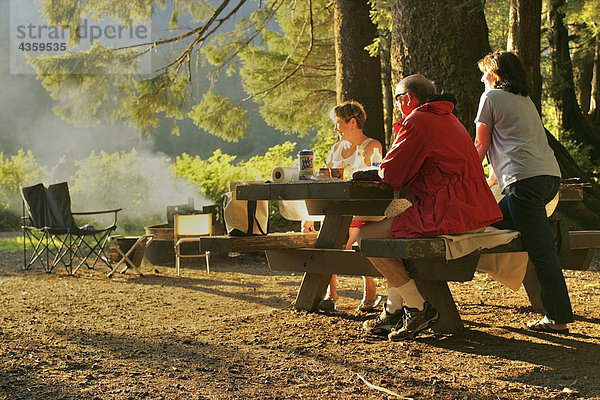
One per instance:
(198, 30)
(270, 15)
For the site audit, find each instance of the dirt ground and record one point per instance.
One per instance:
(233, 335)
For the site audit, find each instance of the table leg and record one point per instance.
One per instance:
(333, 235)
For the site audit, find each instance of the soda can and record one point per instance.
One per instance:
(305, 164)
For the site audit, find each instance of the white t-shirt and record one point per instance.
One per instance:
(519, 148)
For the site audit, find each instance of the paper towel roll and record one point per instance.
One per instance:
(284, 174)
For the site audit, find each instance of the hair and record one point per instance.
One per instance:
(348, 110)
(421, 87)
(509, 71)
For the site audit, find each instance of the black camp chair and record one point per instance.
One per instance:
(50, 229)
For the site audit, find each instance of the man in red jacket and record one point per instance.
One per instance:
(434, 157)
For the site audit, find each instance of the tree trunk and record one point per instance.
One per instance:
(388, 95)
(358, 75)
(583, 66)
(594, 110)
(524, 41)
(443, 40)
(571, 120)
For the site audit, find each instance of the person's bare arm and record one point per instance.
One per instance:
(329, 160)
(483, 138)
(492, 180)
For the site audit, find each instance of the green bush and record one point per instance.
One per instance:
(21, 168)
(580, 153)
(214, 175)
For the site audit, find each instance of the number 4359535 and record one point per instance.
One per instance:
(35, 46)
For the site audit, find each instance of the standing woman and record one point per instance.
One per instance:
(510, 131)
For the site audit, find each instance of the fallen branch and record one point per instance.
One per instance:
(382, 389)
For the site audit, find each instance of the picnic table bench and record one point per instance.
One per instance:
(323, 255)
(241, 244)
(425, 261)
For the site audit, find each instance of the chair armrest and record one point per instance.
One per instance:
(116, 210)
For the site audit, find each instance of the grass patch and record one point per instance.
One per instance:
(11, 245)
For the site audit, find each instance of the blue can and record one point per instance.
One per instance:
(305, 164)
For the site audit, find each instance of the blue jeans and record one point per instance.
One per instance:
(524, 209)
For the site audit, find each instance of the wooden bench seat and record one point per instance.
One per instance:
(576, 252)
(242, 244)
(426, 263)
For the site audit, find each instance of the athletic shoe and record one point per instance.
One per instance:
(413, 322)
(383, 324)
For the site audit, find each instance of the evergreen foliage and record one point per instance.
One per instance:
(291, 73)
(283, 52)
(219, 115)
(584, 12)
(497, 15)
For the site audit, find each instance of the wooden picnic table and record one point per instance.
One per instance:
(338, 202)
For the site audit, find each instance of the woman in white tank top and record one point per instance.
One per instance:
(360, 149)
(351, 152)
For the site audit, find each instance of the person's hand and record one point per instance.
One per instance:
(308, 226)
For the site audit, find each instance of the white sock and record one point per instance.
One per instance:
(412, 296)
(395, 301)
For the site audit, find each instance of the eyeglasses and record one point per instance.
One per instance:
(400, 94)
(397, 102)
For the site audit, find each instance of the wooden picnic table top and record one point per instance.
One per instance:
(316, 190)
(347, 190)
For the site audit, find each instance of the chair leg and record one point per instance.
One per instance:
(207, 256)
(177, 262)
(25, 265)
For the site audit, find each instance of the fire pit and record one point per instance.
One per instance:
(160, 251)
(160, 232)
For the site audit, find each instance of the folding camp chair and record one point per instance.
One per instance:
(48, 239)
(189, 228)
(50, 228)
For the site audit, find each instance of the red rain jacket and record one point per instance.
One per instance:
(434, 156)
